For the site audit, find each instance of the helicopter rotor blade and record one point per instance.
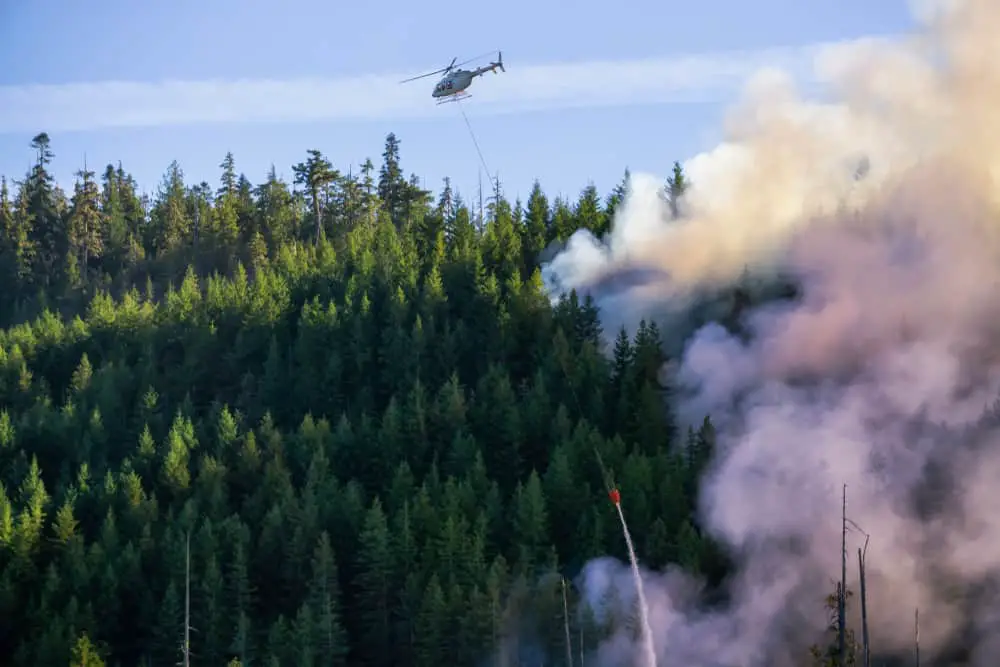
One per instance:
(437, 71)
(414, 78)
(479, 57)
(450, 67)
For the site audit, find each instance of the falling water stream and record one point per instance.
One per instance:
(647, 633)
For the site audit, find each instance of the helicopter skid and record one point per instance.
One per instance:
(457, 97)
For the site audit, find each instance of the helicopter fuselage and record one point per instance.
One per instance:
(451, 86)
(453, 83)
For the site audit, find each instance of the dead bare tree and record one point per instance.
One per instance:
(186, 645)
(842, 590)
(866, 647)
(187, 602)
(569, 643)
(848, 524)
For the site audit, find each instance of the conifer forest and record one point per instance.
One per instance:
(334, 421)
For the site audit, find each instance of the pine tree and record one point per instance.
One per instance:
(374, 581)
(85, 654)
(315, 174)
(677, 185)
(85, 225)
(391, 184)
(329, 634)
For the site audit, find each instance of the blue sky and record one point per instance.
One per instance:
(564, 142)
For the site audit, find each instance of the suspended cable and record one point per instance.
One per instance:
(475, 142)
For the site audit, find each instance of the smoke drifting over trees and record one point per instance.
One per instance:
(881, 207)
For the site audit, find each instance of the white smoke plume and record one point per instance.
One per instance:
(884, 205)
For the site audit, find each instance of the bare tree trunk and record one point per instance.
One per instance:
(864, 611)
(842, 594)
(187, 603)
(569, 643)
(316, 214)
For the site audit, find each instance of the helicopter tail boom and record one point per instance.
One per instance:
(492, 67)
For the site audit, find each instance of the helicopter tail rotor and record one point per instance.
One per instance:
(500, 62)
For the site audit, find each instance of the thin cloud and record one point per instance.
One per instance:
(109, 104)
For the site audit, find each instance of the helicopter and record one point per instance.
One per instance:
(452, 86)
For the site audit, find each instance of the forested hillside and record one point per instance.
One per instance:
(352, 396)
